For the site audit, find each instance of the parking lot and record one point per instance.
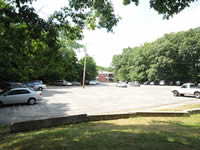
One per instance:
(59, 101)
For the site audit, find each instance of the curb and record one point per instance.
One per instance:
(54, 122)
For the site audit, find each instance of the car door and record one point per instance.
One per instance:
(183, 89)
(16, 96)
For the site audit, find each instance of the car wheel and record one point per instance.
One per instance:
(31, 101)
(40, 88)
(175, 93)
(197, 94)
(1, 104)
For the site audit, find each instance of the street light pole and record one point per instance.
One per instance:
(84, 67)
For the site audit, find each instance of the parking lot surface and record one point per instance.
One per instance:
(59, 101)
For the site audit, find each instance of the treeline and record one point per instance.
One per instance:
(32, 48)
(174, 57)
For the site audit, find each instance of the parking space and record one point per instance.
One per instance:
(59, 101)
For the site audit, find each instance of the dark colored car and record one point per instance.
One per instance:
(6, 85)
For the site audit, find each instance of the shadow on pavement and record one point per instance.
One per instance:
(23, 112)
(53, 92)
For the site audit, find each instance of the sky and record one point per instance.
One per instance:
(139, 24)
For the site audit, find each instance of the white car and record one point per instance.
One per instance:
(20, 95)
(92, 82)
(187, 89)
(121, 84)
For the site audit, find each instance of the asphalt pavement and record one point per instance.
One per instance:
(100, 99)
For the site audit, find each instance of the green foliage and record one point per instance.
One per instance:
(32, 48)
(174, 57)
(91, 71)
(101, 68)
(165, 7)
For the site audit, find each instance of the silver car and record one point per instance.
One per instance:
(20, 95)
(36, 85)
(121, 84)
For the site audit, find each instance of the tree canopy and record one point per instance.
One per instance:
(34, 48)
(167, 8)
(174, 57)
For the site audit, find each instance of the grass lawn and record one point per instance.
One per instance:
(181, 108)
(142, 133)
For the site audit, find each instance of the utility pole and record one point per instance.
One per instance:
(85, 50)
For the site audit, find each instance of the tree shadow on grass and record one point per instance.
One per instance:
(107, 136)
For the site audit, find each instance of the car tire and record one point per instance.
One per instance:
(40, 89)
(1, 104)
(175, 93)
(197, 94)
(31, 101)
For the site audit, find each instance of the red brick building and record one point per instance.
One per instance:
(104, 76)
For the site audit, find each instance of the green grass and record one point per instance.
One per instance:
(181, 108)
(175, 133)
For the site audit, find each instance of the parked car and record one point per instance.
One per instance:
(178, 83)
(36, 85)
(76, 83)
(38, 81)
(187, 89)
(154, 83)
(171, 83)
(63, 83)
(121, 84)
(162, 82)
(146, 83)
(5, 85)
(134, 84)
(92, 82)
(198, 84)
(20, 95)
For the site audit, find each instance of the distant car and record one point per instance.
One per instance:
(20, 95)
(76, 83)
(178, 83)
(162, 82)
(134, 84)
(63, 83)
(121, 84)
(37, 81)
(5, 85)
(36, 85)
(146, 83)
(154, 83)
(92, 82)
